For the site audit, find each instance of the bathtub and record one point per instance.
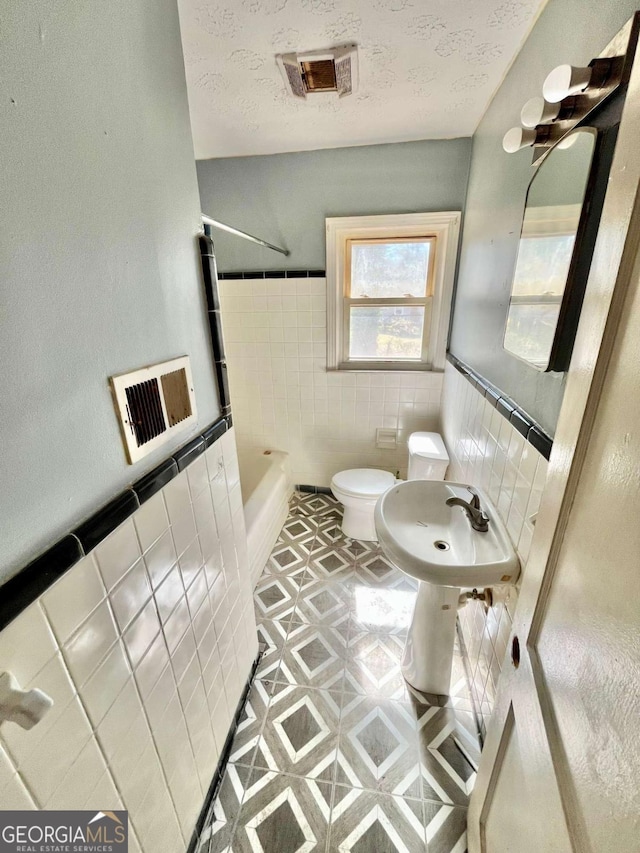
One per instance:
(266, 488)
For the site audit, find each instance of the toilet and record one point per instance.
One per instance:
(358, 489)
(428, 457)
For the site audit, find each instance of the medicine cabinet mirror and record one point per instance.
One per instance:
(540, 322)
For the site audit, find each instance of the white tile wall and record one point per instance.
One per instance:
(283, 397)
(487, 451)
(145, 647)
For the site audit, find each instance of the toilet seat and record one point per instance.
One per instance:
(366, 483)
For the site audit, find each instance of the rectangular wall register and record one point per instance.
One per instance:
(145, 645)
(284, 398)
(152, 404)
(489, 451)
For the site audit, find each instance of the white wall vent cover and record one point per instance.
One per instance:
(334, 70)
(153, 404)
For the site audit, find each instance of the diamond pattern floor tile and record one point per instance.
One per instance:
(448, 752)
(314, 656)
(301, 735)
(334, 751)
(250, 724)
(329, 563)
(373, 666)
(283, 814)
(272, 634)
(378, 746)
(364, 822)
(275, 596)
(321, 603)
(446, 828)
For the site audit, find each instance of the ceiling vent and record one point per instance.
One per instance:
(334, 70)
(153, 404)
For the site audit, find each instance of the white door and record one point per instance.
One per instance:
(560, 772)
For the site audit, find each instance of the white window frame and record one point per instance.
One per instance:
(445, 228)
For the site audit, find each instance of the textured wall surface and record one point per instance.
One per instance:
(422, 76)
(284, 399)
(145, 647)
(487, 451)
(285, 198)
(567, 31)
(99, 269)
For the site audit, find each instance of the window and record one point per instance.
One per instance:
(389, 285)
(544, 258)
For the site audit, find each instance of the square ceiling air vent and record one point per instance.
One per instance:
(153, 404)
(334, 70)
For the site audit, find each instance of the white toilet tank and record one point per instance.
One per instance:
(428, 457)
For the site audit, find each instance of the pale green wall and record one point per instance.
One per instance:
(567, 31)
(284, 198)
(99, 268)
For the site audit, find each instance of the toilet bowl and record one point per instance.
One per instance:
(358, 490)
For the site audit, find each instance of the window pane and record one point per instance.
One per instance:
(543, 265)
(386, 332)
(530, 331)
(389, 270)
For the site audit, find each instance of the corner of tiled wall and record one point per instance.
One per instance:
(487, 451)
(284, 398)
(145, 647)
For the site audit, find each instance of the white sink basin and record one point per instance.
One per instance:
(436, 543)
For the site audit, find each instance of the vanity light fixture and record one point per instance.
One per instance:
(570, 93)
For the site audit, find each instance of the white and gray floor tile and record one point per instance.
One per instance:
(334, 751)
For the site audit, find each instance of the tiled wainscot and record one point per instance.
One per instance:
(487, 451)
(284, 398)
(145, 647)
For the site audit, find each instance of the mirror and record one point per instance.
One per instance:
(543, 276)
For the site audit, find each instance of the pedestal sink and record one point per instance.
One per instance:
(435, 543)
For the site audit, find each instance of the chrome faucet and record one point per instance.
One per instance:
(479, 520)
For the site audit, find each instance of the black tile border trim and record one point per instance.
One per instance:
(33, 580)
(24, 588)
(96, 528)
(210, 278)
(516, 416)
(245, 276)
(218, 775)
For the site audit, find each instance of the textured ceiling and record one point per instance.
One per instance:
(428, 69)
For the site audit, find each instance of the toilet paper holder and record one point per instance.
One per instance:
(23, 707)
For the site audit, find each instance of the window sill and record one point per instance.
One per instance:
(381, 367)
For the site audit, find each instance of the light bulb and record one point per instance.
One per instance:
(518, 138)
(565, 80)
(568, 141)
(538, 111)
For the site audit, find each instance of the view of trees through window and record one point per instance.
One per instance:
(386, 332)
(539, 281)
(388, 270)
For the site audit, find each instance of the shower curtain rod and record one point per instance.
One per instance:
(209, 221)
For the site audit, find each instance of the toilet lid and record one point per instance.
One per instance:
(363, 482)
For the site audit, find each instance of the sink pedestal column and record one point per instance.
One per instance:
(428, 653)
